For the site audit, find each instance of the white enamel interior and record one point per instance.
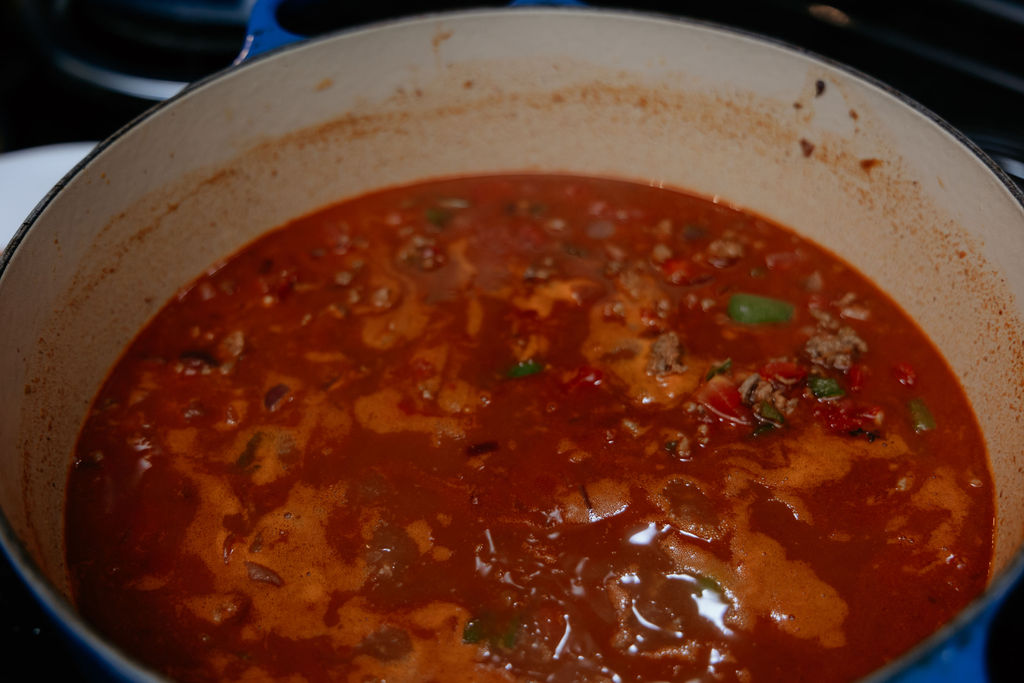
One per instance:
(587, 92)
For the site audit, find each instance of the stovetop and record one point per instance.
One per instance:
(959, 58)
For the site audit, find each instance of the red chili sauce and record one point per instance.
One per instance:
(528, 428)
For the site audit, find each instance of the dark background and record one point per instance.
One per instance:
(61, 62)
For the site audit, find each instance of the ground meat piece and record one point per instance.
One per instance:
(195, 409)
(543, 271)
(257, 572)
(386, 644)
(814, 282)
(389, 554)
(850, 308)
(555, 224)
(230, 608)
(383, 298)
(614, 309)
(724, 252)
(835, 349)
(661, 253)
(756, 390)
(631, 283)
(825, 319)
(230, 349)
(613, 268)
(678, 447)
(662, 308)
(615, 252)
(748, 385)
(855, 312)
(421, 252)
(703, 434)
(665, 356)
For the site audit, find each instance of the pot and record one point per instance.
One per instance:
(807, 143)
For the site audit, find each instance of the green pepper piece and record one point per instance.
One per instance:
(771, 413)
(708, 583)
(825, 387)
(248, 456)
(524, 368)
(473, 632)
(511, 634)
(437, 217)
(920, 416)
(719, 369)
(752, 309)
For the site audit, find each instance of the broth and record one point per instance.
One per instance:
(528, 428)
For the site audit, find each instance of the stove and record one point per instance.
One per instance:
(74, 70)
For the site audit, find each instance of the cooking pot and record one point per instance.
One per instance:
(805, 142)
